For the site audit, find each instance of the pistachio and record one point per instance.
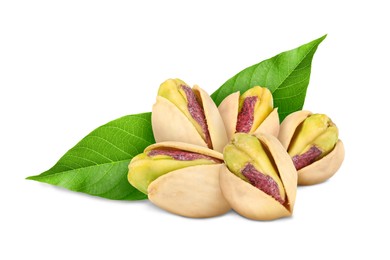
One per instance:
(259, 179)
(148, 166)
(313, 144)
(180, 178)
(252, 112)
(187, 115)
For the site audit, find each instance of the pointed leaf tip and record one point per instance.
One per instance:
(287, 75)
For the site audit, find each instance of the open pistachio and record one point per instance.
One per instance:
(187, 115)
(252, 112)
(313, 144)
(180, 178)
(259, 180)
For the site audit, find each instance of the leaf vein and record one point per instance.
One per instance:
(292, 84)
(79, 157)
(96, 182)
(288, 97)
(303, 58)
(92, 150)
(76, 169)
(111, 143)
(129, 133)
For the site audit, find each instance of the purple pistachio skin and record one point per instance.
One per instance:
(246, 115)
(197, 112)
(182, 155)
(306, 158)
(262, 182)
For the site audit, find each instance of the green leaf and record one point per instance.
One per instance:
(97, 165)
(286, 75)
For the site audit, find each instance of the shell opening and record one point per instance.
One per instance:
(196, 110)
(262, 182)
(182, 155)
(286, 202)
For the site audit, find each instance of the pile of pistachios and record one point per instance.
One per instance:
(208, 159)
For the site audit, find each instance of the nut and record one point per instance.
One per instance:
(259, 180)
(313, 144)
(252, 112)
(180, 178)
(187, 115)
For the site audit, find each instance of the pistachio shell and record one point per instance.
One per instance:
(289, 124)
(253, 203)
(321, 170)
(170, 124)
(249, 201)
(143, 169)
(229, 113)
(324, 168)
(190, 192)
(214, 120)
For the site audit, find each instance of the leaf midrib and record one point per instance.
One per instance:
(304, 57)
(75, 169)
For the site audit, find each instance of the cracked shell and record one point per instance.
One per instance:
(173, 122)
(320, 170)
(253, 203)
(229, 110)
(190, 190)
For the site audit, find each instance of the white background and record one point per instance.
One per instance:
(67, 67)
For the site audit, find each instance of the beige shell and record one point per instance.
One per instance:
(270, 125)
(253, 203)
(170, 124)
(229, 113)
(191, 192)
(320, 170)
(290, 124)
